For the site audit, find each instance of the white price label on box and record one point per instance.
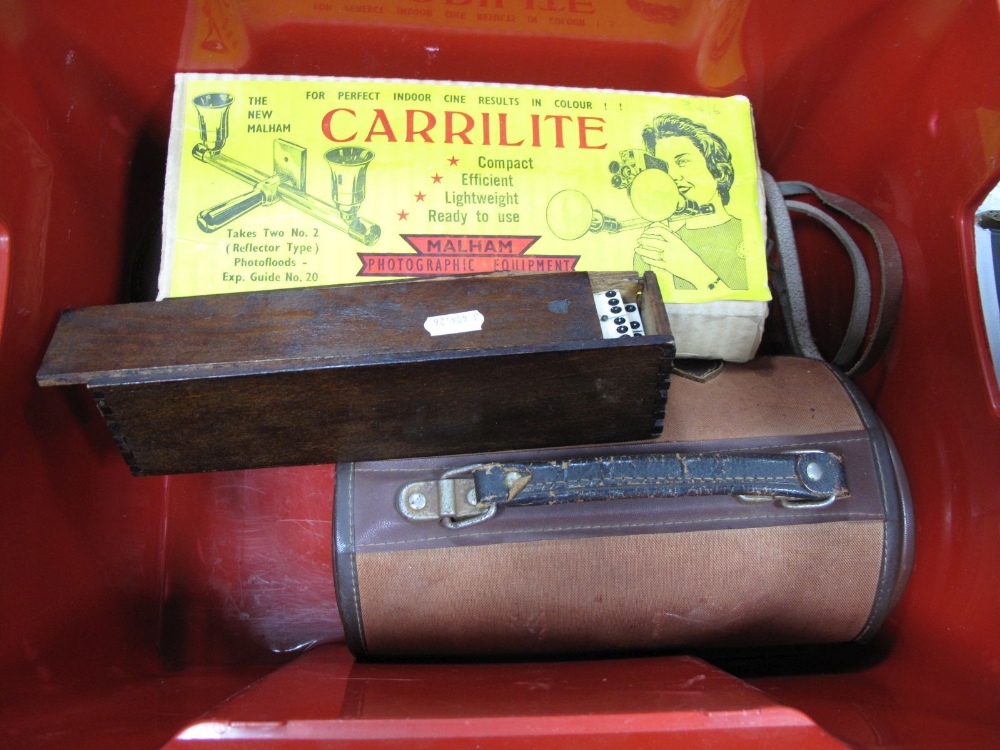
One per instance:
(460, 322)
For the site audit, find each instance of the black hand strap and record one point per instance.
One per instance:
(473, 493)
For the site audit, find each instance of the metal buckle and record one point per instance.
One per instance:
(796, 503)
(788, 502)
(451, 500)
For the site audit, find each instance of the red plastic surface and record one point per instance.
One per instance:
(4, 271)
(130, 604)
(679, 702)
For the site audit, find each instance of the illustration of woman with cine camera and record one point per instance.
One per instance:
(703, 250)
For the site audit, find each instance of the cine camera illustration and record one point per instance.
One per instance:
(287, 181)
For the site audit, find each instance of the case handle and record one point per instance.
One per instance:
(472, 494)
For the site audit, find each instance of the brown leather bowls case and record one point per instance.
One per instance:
(718, 566)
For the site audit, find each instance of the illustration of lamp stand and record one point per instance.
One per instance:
(348, 168)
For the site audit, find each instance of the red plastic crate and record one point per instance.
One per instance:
(133, 610)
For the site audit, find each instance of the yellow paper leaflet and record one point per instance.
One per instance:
(280, 182)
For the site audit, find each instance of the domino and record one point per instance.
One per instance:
(618, 318)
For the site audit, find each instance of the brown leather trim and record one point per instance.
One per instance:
(892, 489)
(345, 572)
(783, 584)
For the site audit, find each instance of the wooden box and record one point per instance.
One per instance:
(367, 371)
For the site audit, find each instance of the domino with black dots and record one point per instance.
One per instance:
(618, 318)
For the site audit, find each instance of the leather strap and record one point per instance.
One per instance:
(857, 326)
(890, 262)
(789, 287)
(474, 493)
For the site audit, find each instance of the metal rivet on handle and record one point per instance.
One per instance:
(417, 501)
(814, 471)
